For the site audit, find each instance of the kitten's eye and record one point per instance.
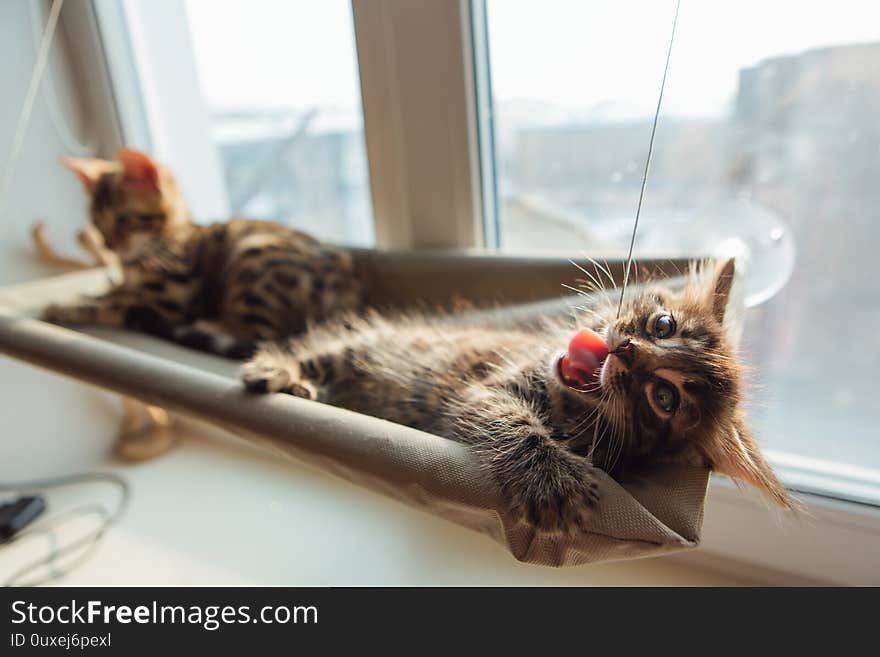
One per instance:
(123, 220)
(665, 396)
(664, 326)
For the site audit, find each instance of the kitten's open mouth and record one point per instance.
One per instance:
(580, 366)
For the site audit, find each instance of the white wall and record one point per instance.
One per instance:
(47, 424)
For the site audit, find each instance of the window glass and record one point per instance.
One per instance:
(280, 80)
(768, 133)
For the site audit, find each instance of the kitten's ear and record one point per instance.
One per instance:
(87, 169)
(139, 168)
(722, 283)
(737, 456)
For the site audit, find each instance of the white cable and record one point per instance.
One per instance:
(28, 105)
(82, 547)
(72, 144)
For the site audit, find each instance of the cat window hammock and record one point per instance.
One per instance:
(647, 517)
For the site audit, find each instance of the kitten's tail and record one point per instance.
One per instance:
(47, 253)
(198, 336)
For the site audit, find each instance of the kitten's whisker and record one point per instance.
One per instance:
(586, 420)
(589, 311)
(620, 420)
(576, 290)
(594, 283)
(614, 439)
(605, 270)
(583, 270)
(600, 286)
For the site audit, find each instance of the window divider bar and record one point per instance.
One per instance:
(420, 121)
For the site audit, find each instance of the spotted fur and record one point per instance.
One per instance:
(218, 288)
(500, 391)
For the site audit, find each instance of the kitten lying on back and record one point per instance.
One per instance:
(253, 280)
(668, 392)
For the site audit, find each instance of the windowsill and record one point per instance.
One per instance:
(308, 527)
(834, 541)
(217, 510)
(830, 541)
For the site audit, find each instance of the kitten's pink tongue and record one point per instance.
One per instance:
(580, 366)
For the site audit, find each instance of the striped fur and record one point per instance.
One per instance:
(499, 390)
(252, 280)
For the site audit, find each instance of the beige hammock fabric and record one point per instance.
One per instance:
(649, 517)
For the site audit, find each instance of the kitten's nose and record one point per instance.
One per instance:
(625, 351)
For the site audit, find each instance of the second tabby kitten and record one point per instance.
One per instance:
(252, 280)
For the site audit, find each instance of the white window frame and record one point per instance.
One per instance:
(421, 137)
(417, 60)
(417, 83)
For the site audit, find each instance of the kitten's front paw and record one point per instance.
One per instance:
(260, 376)
(559, 496)
(269, 371)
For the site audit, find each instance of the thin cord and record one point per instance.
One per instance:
(56, 115)
(85, 545)
(28, 105)
(632, 241)
(90, 541)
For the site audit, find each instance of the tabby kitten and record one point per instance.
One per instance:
(668, 392)
(254, 280)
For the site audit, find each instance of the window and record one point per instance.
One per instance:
(264, 95)
(768, 135)
(768, 140)
(289, 131)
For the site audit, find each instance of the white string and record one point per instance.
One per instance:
(632, 241)
(27, 107)
(72, 144)
(81, 548)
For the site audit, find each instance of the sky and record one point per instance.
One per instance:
(275, 53)
(576, 54)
